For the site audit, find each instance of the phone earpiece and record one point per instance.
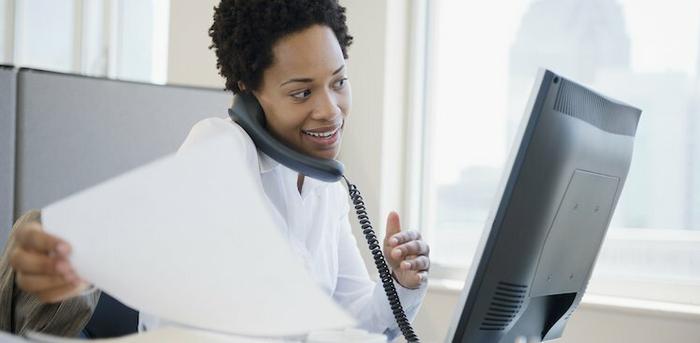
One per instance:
(248, 113)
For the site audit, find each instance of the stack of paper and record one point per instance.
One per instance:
(190, 238)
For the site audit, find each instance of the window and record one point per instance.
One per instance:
(51, 45)
(480, 69)
(125, 39)
(6, 16)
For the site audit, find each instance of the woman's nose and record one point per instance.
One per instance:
(326, 107)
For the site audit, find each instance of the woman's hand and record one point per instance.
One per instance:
(406, 253)
(41, 265)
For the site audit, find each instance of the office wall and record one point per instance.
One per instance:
(189, 59)
(373, 139)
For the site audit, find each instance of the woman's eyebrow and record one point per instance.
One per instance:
(306, 79)
(339, 69)
(296, 80)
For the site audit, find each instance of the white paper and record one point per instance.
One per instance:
(169, 335)
(6, 337)
(190, 238)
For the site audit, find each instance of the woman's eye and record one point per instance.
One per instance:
(302, 95)
(340, 83)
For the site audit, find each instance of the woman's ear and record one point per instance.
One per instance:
(241, 86)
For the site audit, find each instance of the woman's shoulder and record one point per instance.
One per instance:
(209, 128)
(215, 126)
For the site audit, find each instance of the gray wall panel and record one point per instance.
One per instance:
(7, 150)
(74, 132)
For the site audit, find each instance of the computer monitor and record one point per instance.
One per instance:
(567, 168)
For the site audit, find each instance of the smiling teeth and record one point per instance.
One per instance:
(321, 134)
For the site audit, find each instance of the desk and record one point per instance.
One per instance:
(185, 335)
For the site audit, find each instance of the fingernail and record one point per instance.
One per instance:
(394, 241)
(396, 252)
(63, 248)
(405, 265)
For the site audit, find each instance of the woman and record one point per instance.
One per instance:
(291, 56)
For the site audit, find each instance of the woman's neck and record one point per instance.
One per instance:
(300, 182)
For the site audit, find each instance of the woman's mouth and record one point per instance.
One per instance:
(323, 137)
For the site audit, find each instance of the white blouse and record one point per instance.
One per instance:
(316, 224)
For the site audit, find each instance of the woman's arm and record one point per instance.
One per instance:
(21, 311)
(364, 298)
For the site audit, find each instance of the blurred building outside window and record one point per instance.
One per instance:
(481, 65)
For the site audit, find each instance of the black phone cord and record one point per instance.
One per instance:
(379, 261)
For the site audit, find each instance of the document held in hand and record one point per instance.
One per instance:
(190, 238)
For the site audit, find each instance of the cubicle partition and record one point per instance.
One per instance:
(61, 133)
(8, 80)
(74, 131)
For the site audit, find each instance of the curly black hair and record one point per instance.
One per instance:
(244, 32)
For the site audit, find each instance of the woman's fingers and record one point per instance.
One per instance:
(31, 237)
(30, 262)
(40, 261)
(43, 283)
(417, 263)
(413, 280)
(408, 255)
(393, 228)
(403, 237)
(416, 247)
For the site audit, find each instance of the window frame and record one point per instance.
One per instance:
(418, 184)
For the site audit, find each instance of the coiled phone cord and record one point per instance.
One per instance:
(380, 262)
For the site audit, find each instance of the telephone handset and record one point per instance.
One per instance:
(247, 112)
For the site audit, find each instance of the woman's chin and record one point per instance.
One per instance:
(328, 154)
(324, 151)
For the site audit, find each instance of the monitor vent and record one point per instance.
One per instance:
(505, 304)
(582, 103)
(570, 312)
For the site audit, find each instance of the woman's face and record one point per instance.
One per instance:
(305, 92)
